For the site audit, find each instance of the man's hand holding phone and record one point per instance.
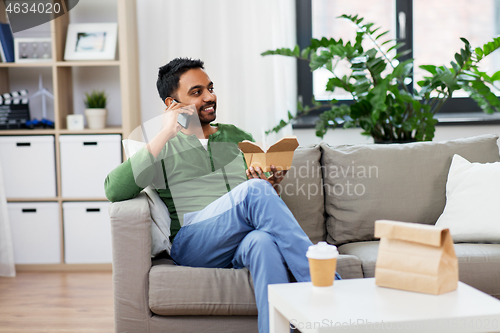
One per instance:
(176, 117)
(170, 126)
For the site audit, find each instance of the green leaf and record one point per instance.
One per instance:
(464, 54)
(455, 66)
(382, 34)
(496, 76)
(360, 109)
(282, 51)
(430, 68)
(479, 52)
(464, 40)
(397, 46)
(374, 31)
(305, 53)
(459, 59)
(97, 99)
(334, 82)
(401, 54)
(466, 77)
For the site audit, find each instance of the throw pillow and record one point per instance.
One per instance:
(472, 211)
(160, 228)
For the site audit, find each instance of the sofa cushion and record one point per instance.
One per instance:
(178, 290)
(478, 264)
(366, 252)
(400, 182)
(301, 190)
(349, 267)
(472, 211)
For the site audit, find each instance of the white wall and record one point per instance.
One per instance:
(253, 92)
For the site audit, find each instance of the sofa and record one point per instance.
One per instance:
(336, 193)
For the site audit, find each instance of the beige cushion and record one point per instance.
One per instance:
(179, 290)
(366, 252)
(400, 182)
(302, 192)
(349, 267)
(479, 266)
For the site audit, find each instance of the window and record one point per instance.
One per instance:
(432, 30)
(326, 24)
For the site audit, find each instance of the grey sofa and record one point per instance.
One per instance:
(336, 194)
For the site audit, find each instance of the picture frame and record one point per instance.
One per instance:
(91, 41)
(32, 50)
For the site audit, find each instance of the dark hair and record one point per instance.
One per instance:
(168, 75)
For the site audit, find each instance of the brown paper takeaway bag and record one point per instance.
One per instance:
(415, 257)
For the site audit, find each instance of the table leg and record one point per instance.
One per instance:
(277, 322)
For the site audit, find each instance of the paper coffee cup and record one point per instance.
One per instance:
(322, 263)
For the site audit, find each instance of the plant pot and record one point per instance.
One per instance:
(384, 142)
(96, 118)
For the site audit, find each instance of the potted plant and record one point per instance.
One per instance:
(95, 111)
(383, 105)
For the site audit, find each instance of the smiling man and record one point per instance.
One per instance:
(223, 215)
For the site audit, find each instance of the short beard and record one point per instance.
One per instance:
(211, 117)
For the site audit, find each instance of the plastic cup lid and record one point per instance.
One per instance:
(322, 250)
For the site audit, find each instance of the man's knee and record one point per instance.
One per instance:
(260, 188)
(259, 240)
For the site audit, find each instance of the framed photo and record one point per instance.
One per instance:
(91, 41)
(32, 49)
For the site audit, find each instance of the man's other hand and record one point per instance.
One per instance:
(274, 179)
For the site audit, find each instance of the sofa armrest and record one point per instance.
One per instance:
(131, 241)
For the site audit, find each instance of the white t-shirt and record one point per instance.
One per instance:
(204, 143)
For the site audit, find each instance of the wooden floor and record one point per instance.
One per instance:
(56, 302)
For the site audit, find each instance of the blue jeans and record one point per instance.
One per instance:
(248, 227)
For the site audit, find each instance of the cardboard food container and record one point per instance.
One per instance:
(415, 257)
(279, 154)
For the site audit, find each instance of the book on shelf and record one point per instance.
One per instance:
(2, 55)
(7, 41)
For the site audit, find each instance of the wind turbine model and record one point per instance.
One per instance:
(44, 93)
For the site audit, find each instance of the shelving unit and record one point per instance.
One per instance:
(62, 81)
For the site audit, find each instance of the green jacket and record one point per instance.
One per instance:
(186, 176)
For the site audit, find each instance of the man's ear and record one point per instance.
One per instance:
(168, 101)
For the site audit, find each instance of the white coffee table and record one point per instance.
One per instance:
(358, 305)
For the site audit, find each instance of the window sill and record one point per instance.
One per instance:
(444, 119)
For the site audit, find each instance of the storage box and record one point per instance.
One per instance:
(87, 232)
(86, 160)
(279, 154)
(28, 164)
(36, 234)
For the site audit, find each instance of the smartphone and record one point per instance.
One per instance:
(183, 118)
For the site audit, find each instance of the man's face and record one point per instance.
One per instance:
(195, 87)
